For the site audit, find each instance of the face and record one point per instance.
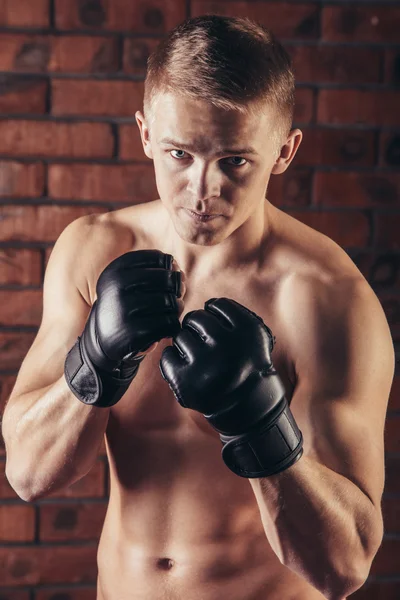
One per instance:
(210, 161)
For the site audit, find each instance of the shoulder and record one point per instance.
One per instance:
(95, 240)
(324, 300)
(313, 270)
(336, 328)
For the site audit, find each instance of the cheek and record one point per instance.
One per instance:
(169, 181)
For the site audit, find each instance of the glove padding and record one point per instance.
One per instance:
(136, 306)
(220, 365)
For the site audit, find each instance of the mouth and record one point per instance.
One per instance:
(202, 217)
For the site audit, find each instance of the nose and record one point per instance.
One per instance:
(204, 182)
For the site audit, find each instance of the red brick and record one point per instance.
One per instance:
(360, 23)
(71, 522)
(292, 188)
(32, 53)
(392, 470)
(387, 231)
(99, 98)
(357, 189)
(17, 523)
(136, 53)
(297, 187)
(39, 223)
(22, 94)
(154, 16)
(392, 438)
(68, 593)
(285, 19)
(391, 305)
(15, 594)
(389, 149)
(334, 64)
(20, 266)
(363, 259)
(391, 515)
(50, 564)
(21, 179)
(13, 349)
(24, 13)
(275, 191)
(6, 385)
(381, 269)
(359, 107)
(108, 183)
(350, 229)
(386, 562)
(394, 400)
(378, 590)
(392, 66)
(21, 307)
(41, 138)
(336, 147)
(304, 107)
(47, 253)
(130, 144)
(6, 491)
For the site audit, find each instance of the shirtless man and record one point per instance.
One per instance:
(182, 521)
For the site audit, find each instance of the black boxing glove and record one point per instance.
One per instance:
(136, 306)
(220, 365)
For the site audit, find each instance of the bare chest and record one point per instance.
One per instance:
(149, 403)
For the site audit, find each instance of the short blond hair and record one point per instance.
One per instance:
(232, 63)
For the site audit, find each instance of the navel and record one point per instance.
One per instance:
(165, 564)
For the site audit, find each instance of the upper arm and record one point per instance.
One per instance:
(345, 367)
(64, 312)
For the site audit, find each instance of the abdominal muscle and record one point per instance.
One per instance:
(180, 524)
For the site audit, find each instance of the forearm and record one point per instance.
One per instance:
(52, 439)
(320, 525)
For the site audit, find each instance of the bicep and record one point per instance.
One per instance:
(344, 378)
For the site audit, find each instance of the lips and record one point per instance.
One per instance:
(203, 214)
(202, 217)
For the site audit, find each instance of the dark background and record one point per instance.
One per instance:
(71, 79)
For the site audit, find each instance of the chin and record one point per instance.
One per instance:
(198, 236)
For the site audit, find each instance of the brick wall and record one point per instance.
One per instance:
(71, 79)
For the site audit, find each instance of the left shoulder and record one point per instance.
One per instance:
(338, 310)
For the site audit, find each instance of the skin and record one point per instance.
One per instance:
(206, 182)
(179, 523)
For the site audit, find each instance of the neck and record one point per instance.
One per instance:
(242, 248)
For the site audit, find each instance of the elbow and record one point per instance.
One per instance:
(31, 489)
(353, 578)
(336, 586)
(346, 586)
(20, 487)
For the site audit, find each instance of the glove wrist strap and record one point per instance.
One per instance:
(273, 446)
(94, 386)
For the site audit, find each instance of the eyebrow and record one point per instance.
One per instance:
(196, 148)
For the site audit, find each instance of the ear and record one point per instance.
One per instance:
(144, 134)
(288, 152)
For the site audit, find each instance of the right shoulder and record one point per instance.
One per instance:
(90, 243)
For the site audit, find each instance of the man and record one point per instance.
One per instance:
(212, 338)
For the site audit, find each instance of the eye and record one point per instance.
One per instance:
(178, 157)
(237, 158)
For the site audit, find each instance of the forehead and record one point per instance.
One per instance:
(186, 119)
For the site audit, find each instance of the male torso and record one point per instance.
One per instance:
(180, 524)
